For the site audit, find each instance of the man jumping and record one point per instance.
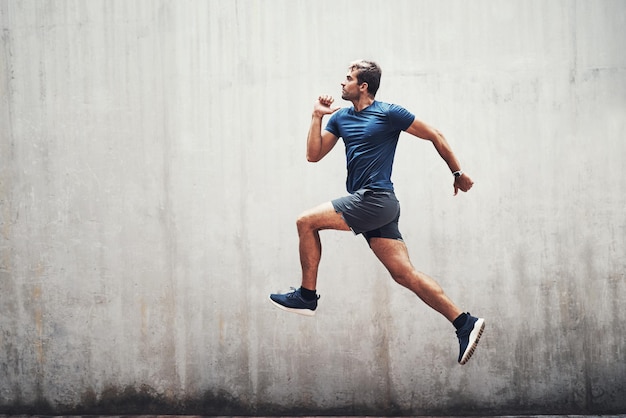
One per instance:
(370, 130)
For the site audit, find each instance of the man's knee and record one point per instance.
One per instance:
(321, 217)
(403, 276)
(303, 222)
(308, 220)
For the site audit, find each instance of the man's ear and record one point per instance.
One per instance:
(363, 87)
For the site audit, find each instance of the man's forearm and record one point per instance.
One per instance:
(314, 139)
(444, 150)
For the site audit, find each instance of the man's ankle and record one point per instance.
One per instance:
(308, 294)
(460, 320)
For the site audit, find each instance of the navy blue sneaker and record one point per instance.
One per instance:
(293, 302)
(469, 334)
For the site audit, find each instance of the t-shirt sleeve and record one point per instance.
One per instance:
(331, 125)
(400, 118)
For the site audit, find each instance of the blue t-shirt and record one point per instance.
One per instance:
(370, 138)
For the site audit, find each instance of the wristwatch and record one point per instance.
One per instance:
(457, 173)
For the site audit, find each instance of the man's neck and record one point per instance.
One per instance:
(362, 103)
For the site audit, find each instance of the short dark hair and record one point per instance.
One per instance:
(368, 72)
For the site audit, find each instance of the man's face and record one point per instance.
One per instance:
(350, 89)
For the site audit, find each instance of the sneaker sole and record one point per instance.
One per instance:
(474, 337)
(305, 312)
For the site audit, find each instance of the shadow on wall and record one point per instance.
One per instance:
(145, 400)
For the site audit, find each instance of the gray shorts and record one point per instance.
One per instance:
(373, 213)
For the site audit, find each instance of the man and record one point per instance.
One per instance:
(370, 131)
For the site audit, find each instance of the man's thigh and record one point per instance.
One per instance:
(392, 253)
(323, 216)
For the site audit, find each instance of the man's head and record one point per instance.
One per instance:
(366, 74)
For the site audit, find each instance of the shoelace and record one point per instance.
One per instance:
(292, 293)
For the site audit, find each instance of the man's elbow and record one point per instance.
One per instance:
(312, 159)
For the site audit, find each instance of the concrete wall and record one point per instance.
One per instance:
(152, 167)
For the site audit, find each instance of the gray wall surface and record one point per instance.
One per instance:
(152, 166)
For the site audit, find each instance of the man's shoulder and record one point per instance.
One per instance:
(385, 108)
(388, 107)
(398, 115)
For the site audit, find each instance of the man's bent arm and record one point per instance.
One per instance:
(421, 130)
(319, 143)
